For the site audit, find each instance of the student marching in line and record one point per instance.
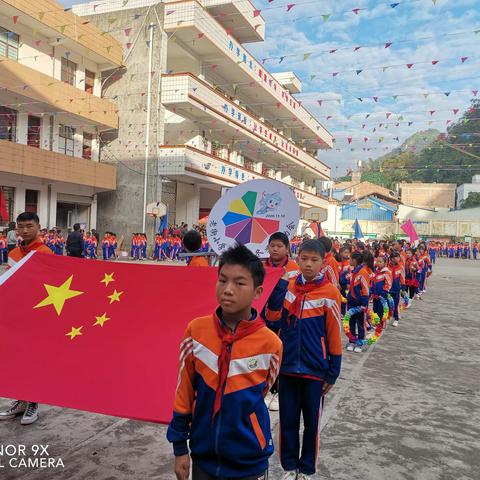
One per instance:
(28, 227)
(398, 280)
(228, 362)
(156, 249)
(310, 330)
(279, 257)
(330, 265)
(105, 245)
(3, 249)
(358, 296)
(344, 274)
(425, 267)
(411, 271)
(381, 285)
(192, 243)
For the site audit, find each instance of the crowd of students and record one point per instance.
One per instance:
(224, 413)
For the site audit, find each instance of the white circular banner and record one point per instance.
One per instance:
(249, 213)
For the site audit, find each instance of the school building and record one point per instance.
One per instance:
(52, 114)
(198, 112)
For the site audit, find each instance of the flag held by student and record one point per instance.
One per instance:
(95, 333)
(357, 231)
(409, 230)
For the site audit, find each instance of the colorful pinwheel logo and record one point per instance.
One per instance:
(241, 224)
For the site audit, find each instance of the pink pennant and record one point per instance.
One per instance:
(434, 62)
(128, 45)
(388, 44)
(363, 125)
(464, 59)
(15, 19)
(365, 139)
(333, 51)
(320, 102)
(349, 139)
(455, 111)
(329, 117)
(409, 65)
(290, 6)
(37, 42)
(214, 66)
(200, 35)
(474, 92)
(127, 31)
(409, 229)
(256, 13)
(334, 74)
(375, 99)
(388, 114)
(229, 30)
(432, 112)
(356, 10)
(448, 121)
(356, 49)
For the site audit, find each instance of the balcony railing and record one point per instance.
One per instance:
(179, 160)
(191, 14)
(185, 88)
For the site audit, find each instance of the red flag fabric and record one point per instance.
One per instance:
(409, 229)
(316, 228)
(104, 337)
(3, 207)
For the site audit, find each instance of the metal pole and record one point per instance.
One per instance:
(147, 129)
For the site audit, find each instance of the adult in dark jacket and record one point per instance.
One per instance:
(75, 242)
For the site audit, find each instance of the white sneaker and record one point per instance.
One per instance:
(358, 349)
(17, 407)
(303, 476)
(350, 347)
(291, 475)
(31, 414)
(395, 323)
(268, 399)
(274, 406)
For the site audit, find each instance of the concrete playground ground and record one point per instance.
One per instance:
(407, 409)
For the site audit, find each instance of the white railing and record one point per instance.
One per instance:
(186, 88)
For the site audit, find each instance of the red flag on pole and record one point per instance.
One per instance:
(3, 207)
(409, 230)
(316, 228)
(105, 336)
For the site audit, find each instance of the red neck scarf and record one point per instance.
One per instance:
(269, 263)
(301, 290)
(244, 328)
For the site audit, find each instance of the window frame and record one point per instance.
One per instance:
(66, 134)
(8, 45)
(87, 137)
(68, 73)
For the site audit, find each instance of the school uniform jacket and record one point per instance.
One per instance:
(359, 291)
(398, 277)
(344, 269)
(382, 282)
(288, 264)
(330, 269)
(312, 341)
(411, 270)
(237, 440)
(23, 250)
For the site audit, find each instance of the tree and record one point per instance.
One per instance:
(473, 200)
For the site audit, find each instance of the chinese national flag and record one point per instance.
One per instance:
(103, 337)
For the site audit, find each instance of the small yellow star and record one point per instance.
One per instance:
(114, 297)
(57, 296)
(101, 320)
(75, 332)
(107, 279)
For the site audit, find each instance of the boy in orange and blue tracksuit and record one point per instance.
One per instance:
(358, 296)
(398, 281)
(228, 362)
(309, 316)
(381, 285)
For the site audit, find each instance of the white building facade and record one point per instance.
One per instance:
(52, 113)
(211, 115)
(465, 189)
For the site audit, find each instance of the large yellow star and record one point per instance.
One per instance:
(74, 332)
(57, 296)
(114, 297)
(107, 279)
(101, 320)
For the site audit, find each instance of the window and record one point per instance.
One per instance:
(7, 194)
(89, 81)
(33, 132)
(87, 146)
(66, 142)
(31, 201)
(9, 43)
(8, 123)
(69, 71)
